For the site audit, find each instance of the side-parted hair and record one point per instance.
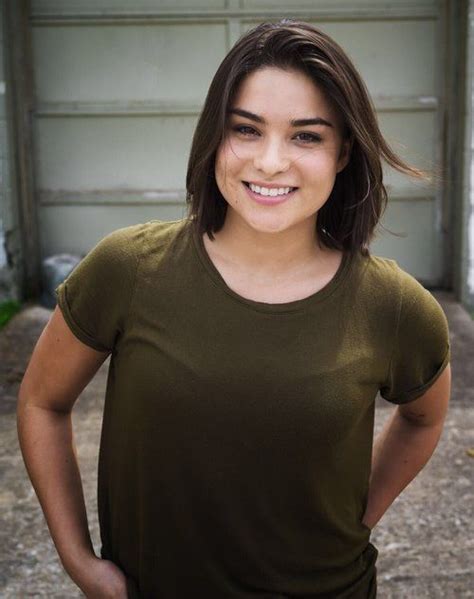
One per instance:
(348, 219)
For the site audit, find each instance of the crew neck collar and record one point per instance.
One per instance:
(291, 306)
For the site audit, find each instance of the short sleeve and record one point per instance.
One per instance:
(95, 297)
(421, 349)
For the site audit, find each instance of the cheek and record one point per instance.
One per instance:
(221, 167)
(228, 167)
(224, 160)
(318, 165)
(226, 175)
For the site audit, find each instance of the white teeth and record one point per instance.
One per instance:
(265, 191)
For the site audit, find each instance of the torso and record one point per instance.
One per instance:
(276, 290)
(258, 419)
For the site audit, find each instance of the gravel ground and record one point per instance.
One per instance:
(425, 539)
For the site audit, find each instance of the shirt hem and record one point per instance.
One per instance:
(78, 332)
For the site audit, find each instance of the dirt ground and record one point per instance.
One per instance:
(425, 539)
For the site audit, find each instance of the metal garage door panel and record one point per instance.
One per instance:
(395, 58)
(113, 153)
(133, 64)
(114, 6)
(413, 136)
(130, 152)
(76, 228)
(332, 6)
(420, 251)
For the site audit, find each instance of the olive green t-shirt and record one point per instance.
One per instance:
(236, 441)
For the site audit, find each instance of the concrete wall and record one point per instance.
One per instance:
(9, 230)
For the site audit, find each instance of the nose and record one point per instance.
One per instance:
(271, 157)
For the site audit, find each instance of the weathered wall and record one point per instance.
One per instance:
(467, 288)
(9, 230)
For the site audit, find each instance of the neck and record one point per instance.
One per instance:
(267, 253)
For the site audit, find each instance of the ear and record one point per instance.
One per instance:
(344, 155)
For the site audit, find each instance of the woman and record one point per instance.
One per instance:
(248, 342)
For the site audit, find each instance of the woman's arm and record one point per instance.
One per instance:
(59, 369)
(405, 445)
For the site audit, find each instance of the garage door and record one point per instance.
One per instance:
(119, 86)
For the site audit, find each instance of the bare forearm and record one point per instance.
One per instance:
(400, 452)
(46, 442)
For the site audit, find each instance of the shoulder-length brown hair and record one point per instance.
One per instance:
(348, 219)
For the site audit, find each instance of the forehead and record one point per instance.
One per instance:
(277, 94)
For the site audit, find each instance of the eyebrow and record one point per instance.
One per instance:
(295, 122)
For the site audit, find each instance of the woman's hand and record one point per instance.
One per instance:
(101, 579)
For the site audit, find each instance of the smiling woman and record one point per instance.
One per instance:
(248, 343)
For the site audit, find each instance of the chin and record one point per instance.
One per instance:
(268, 223)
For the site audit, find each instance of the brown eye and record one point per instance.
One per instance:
(244, 129)
(312, 138)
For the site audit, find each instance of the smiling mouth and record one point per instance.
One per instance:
(269, 199)
(247, 184)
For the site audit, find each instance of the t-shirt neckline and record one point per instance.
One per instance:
(292, 306)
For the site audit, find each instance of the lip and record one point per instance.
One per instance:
(268, 200)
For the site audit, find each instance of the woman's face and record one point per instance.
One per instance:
(264, 146)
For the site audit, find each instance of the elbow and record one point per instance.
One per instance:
(421, 419)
